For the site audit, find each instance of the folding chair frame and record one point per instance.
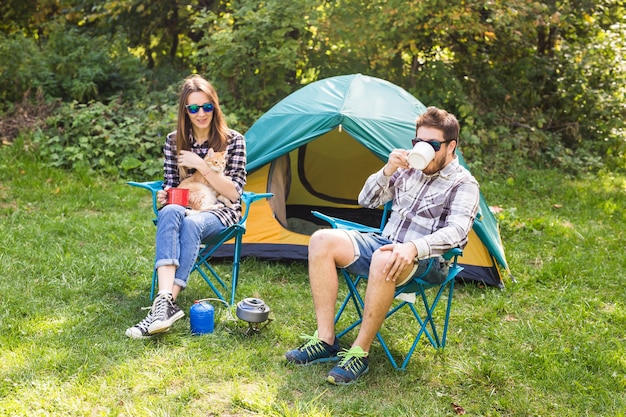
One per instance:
(427, 325)
(211, 244)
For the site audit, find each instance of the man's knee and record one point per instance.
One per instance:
(329, 243)
(322, 239)
(378, 262)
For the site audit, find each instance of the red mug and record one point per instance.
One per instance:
(178, 196)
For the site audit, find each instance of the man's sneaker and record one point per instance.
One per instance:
(165, 312)
(313, 351)
(352, 365)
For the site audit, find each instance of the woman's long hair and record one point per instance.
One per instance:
(218, 132)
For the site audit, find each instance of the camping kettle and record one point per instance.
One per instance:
(253, 310)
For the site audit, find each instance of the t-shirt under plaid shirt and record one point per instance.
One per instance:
(235, 169)
(435, 212)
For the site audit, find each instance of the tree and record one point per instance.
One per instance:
(256, 53)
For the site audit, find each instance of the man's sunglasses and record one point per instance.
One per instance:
(434, 143)
(195, 108)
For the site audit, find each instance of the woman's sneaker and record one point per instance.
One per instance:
(313, 351)
(163, 313)
(140, 330)
(353, 364)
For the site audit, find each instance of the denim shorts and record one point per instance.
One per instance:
(365, 244)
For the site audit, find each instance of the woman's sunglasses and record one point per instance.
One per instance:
(195, 108)
(434, 143)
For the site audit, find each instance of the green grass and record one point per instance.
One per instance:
(77, 252)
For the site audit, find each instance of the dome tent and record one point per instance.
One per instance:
(314, 149)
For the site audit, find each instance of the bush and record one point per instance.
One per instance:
(22, 67)
(120, 138)
(68, 65)
(84, 68)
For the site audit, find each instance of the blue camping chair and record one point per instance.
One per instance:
(407, 294)
(211, 244)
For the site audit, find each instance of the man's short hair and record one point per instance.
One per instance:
(440, 119)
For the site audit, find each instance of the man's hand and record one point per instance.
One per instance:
(397, 159)
(402, 255)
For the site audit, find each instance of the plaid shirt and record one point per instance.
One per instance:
(235, 169)
(435, 212)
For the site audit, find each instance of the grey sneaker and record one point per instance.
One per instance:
(165, 312)
(140, 330)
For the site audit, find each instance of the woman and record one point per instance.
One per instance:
(201, 126)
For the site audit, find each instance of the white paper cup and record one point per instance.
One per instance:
(421, 155)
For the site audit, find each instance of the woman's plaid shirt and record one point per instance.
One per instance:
(235, 169)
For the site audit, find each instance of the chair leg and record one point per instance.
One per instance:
(235, 277)
(353, 294)
(427, 325)
(447, 317)
(202, 261)
(154, 284)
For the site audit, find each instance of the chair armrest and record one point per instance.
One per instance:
(453, 253)
(337, 223)
(153, 187)
(249, 197)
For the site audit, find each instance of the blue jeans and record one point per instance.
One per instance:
(178, 238)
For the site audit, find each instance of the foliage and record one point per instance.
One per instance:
(77, 254)
(22, 68)
(69, 65)
(119, 138)
(85, 68)
(539, 80)
(521, 75)
(254, 53)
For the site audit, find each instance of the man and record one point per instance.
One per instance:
(432, 211)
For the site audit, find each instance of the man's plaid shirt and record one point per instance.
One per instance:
(435, 212)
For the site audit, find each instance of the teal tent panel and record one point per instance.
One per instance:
(376, 113)
(486, 228)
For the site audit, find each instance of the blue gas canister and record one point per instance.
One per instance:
(201, 317)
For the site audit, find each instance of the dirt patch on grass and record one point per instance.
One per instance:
(25, 116)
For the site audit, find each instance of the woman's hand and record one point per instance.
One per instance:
(161, 197)
(188, 159)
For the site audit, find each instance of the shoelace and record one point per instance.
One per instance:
(313, 343)
(160, 306)
(143, 324)
(355, 352)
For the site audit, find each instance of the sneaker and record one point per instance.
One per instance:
(313, 351)
(140, 330)
(165, 312)
(352, 365)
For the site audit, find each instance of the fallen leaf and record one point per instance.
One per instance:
(458, 409)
